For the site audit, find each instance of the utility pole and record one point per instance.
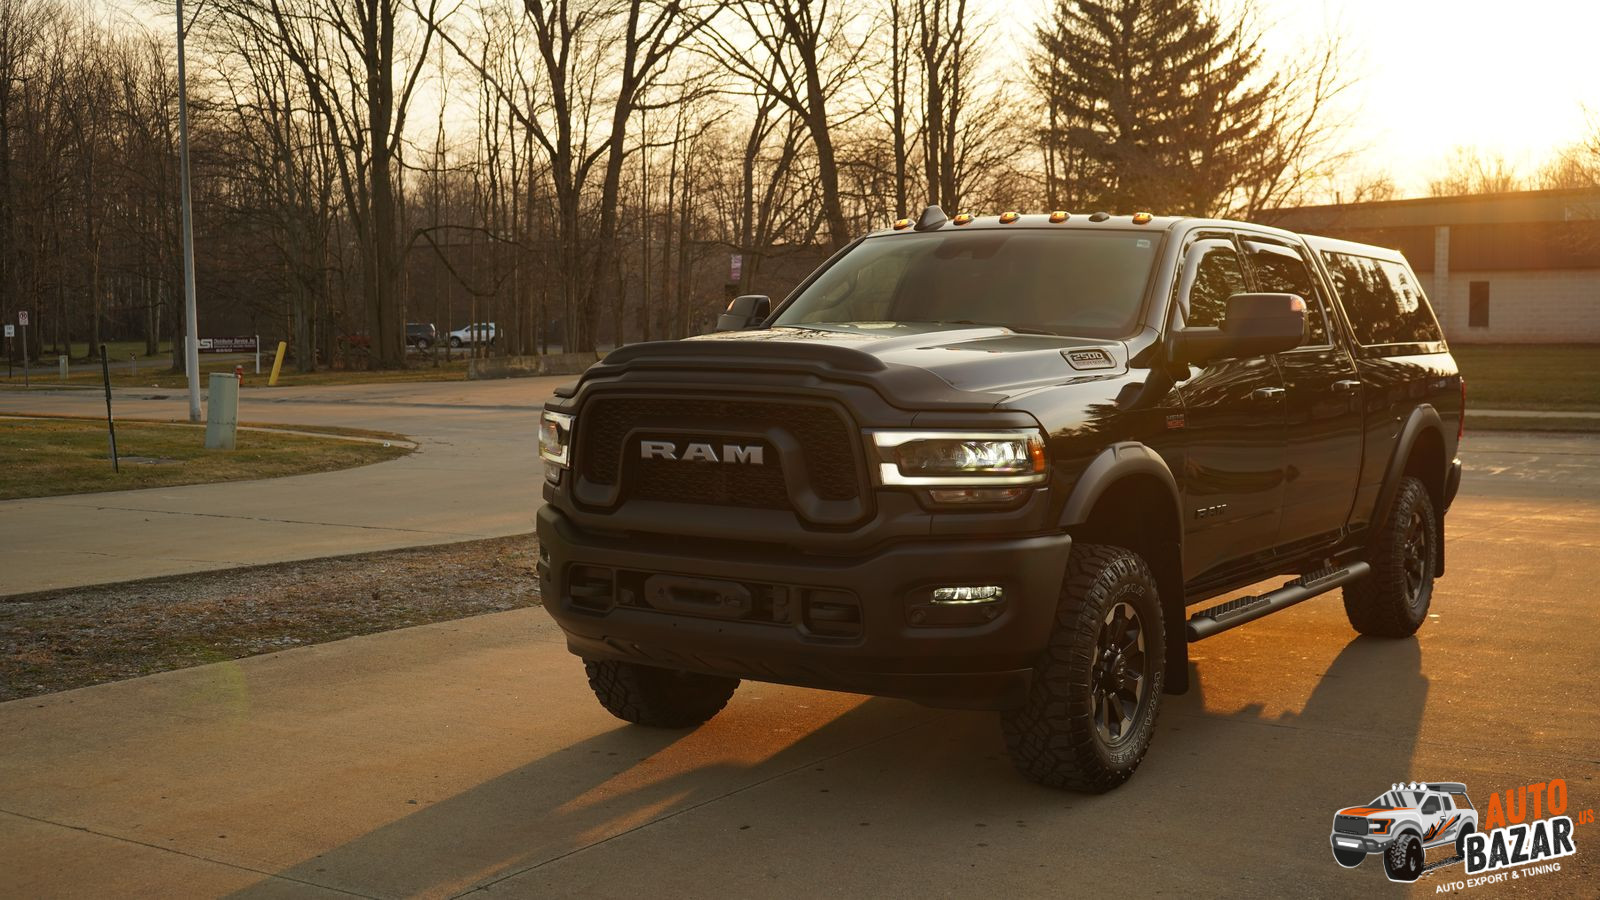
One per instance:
(191, 350)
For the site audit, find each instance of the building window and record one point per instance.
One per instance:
(1478, 304)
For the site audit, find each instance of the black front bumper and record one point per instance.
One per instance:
(980, 656)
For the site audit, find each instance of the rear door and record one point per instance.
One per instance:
(1322, 403)
(1233, 426)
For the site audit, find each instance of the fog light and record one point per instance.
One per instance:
(975, 495)
(984, 593)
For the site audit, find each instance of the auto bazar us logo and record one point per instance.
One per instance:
(1518, 834)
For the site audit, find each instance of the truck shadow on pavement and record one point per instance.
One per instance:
(754, 797)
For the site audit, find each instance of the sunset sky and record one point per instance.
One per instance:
(1509, 79)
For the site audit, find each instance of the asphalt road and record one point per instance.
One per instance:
(470, 754)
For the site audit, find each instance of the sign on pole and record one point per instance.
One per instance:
(11, 330)
(228, 344)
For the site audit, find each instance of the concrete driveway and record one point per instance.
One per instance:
(470, 754)
(476, 474)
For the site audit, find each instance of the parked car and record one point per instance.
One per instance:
(994, 463)
(421, 335)
(1403, 822)
(481, 332)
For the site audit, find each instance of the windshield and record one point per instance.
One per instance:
(1062, 282)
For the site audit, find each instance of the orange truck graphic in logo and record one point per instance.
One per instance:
(1402, 824)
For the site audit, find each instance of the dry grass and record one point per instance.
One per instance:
(59, 640)
(1530, 376)
(47, 457)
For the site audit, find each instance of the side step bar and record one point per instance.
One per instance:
(1234, 613)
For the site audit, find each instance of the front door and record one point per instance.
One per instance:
(1322, 405)
(1233, 428)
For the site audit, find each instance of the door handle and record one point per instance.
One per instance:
(1347, 385)
(1267, 393)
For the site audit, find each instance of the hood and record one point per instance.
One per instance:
(977, 358)
(1371, 810)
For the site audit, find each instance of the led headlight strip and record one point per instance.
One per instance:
(960, 458)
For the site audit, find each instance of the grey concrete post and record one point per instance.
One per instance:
(64, 367)
(1440, 295)
(222, 411)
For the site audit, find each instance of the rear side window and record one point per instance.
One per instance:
(1281, 270)
(1383, 300)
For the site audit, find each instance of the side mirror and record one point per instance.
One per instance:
(745, 312)
(1254, 325)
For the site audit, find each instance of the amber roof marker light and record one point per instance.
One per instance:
(1142, 218)
(962, 218)
(901, 224)
(1058, 216)
(1009, 216)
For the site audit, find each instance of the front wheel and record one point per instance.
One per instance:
(1091, 711)
(1403, 860)
(1393, 600)
(423, 344)
(661, 698)
(455, 342)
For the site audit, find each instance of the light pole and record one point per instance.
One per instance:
(191, 349)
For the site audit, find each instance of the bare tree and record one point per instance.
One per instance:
(1469, 170)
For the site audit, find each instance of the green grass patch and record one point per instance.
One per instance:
(156, 375)
(47, 457)
(1526, 423)
(1530, 376)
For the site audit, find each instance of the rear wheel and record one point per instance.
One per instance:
(455, 342)
(1461, 840)
(423, 344)
(1091, 711)
(662, 698)
(1393, 600)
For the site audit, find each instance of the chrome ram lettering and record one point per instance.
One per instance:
(752, 454)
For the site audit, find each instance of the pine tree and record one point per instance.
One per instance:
(1152, 104)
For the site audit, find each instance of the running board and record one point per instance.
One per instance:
(1234, 613)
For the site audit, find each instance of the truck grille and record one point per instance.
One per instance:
(822, 434)
(1350, 824)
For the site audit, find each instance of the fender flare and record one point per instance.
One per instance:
(1114, 463)
(1422, 418)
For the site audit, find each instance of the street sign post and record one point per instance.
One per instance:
(22, 319)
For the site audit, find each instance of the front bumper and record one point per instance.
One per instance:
(901, 645)
(1358, 842)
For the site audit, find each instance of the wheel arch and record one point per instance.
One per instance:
(1127, 496)
(1420, 452)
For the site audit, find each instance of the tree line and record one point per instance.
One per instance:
(582, 172)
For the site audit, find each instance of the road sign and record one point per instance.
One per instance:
(229, 344)
(11, 331)
(735, 267)
(22, 317)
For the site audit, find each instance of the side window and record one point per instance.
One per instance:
(1444, 801)
(1281, 270)
(1385, 304)
(1431, 806)
(1217, 278)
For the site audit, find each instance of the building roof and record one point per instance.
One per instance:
(1565, 205)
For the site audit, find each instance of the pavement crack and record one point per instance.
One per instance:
(185, 853)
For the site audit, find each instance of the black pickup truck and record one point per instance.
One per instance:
(1003, 463)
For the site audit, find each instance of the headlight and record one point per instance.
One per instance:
(1378, 826)
(555, 439)
(943, 458)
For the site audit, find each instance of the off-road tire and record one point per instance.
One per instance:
(1053, 739)
(1461, 840)
(1349, 858)
(1402, 860)
(1384, 604)
(660, 698)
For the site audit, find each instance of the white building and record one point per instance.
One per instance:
(1520, 267)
